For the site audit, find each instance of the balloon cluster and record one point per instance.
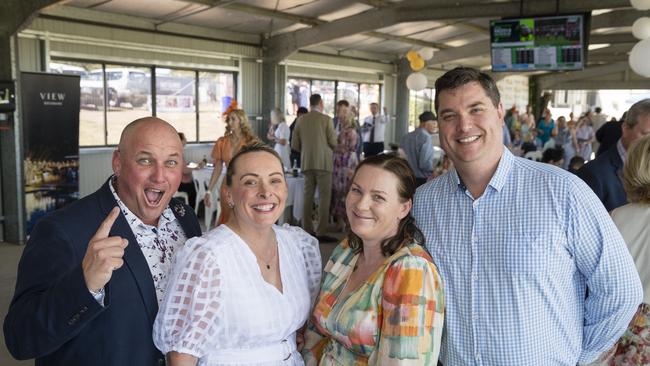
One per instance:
(417, 59)
(641, 51)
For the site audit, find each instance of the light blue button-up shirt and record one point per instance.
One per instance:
(534, 270)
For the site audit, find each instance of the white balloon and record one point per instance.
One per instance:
(641, 28)
(416, 81)
(426, 53)
(640, 4)
(638, 58)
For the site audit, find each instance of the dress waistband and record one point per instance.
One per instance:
(274, 352)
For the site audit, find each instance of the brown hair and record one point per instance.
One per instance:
(460, 76)
(255, 146)
(407, 231)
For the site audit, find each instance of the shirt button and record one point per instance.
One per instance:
(478, 356)
(474, 276)
(474, 239)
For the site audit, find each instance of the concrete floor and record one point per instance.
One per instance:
(9, 257)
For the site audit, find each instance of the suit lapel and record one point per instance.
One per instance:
(133, 257)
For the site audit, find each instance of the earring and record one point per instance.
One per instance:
(231, 204)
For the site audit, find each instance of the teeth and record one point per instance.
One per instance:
(469, 139)
(153, 195)
(267, 207)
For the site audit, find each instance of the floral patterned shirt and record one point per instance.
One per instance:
(157, 243)
(394, 318)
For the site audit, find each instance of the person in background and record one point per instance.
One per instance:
(598, 120)
(238, 133)
(187, 182)
(527, 121)
(632, 221)
(553, 156)
(295, 155)
(497, 269)
(345, 161)
(567, 140)
(603, 173)
(418, 148)
(315, 138)
(511, 121)
(545, 125)
(342, 111)
(585, 136)
(239, 294)
(608, 135)
(279, 133)
(372, 131)
(381, 300)
(92, 274)
(575, 164)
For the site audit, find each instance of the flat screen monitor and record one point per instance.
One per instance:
(538, 43)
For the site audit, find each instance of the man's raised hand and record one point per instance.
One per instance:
(104, 254)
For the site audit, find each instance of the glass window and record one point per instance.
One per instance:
(176, 99)
(326, 90)
(369, 93)
(91, 115)
(216, 90)
(128, 91)
(419, 102)
(298, 92)
(349, 92)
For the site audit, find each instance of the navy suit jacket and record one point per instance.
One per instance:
(54, 318)
(603, 176)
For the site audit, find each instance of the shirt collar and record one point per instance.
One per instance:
(133, 220)
(621, 150)
(498, 179)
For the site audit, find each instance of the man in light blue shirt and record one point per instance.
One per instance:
(418, 147)
(534, 270)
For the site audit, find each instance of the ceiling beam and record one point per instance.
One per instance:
(280, 46)
(617, 18)
(483, 47)
(602, 84)
(548, 81)
(508, 9)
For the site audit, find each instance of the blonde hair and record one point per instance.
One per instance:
(636, 173)
(244, 125)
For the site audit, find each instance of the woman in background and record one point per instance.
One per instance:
(632, 220)
(238, 133)
(345, 161)
(585, 136)
(280, 133)
(381, 299)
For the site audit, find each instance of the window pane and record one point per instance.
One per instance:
(369, 93)
(419, 102)
(129, 97)
(215, 93)
(349, 92)
(297, 95)
(91, 115)
(326, 91)
(175, 99)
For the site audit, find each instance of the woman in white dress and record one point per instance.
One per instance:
(280, 132)
(238, 294)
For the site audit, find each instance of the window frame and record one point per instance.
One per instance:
(152, 70)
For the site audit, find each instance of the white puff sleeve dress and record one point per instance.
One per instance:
(218, 307)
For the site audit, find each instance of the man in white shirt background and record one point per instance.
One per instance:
(372, 131)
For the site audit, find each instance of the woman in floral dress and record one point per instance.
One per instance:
(345, 161)
(381, 300)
